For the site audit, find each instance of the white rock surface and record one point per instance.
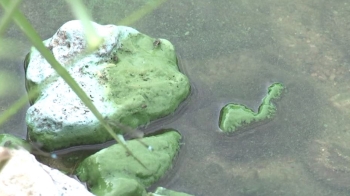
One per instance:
(66, 45)
(58, 109)
(22, 174)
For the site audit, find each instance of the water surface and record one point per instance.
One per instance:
(232, 51)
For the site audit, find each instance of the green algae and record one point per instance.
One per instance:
(124, 187)
(107, 170)
(234, 116)
(144, 80)
(11, 141)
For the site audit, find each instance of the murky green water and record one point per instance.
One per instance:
(232, 51)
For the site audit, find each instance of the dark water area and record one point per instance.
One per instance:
(232, 51)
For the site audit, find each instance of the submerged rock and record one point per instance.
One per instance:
(21, 174)
(161, 191)
(113, 171)
(13, 142)
(131, 78)
(234, 116)
(10, 141)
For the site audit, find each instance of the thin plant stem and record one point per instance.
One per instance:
(8, 15)
(138, 14)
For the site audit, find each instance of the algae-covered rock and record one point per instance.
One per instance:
(13, 142)
(107, 170)
(131, 78)
(124, 187)
(234, 116)
(10, 141)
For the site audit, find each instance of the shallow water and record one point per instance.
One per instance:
(232, 51)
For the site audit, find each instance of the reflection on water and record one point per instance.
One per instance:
(232, 51)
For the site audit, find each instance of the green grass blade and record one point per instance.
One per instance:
(8, 15)
(80, 12)
(137, 15)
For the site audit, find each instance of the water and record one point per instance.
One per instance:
(232, 51)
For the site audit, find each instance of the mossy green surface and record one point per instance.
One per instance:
(144, 81)
(70, 136)
(11, 141)
(124, 187)
(105, 170)
(234, 116)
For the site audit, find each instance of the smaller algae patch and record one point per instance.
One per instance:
(107, 170)
(11, 141)
(234, 116)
